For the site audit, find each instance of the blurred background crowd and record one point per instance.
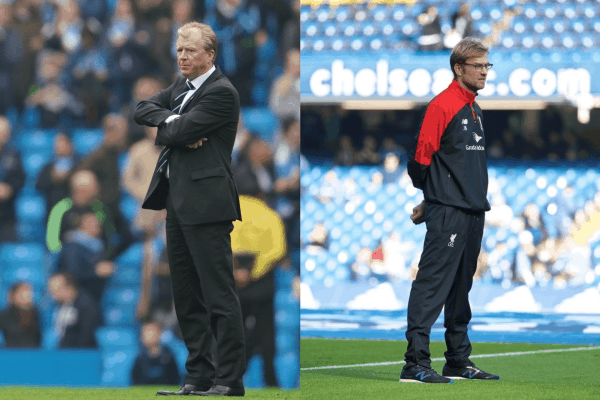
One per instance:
(357, 198)
(74, 165)
(356, 195)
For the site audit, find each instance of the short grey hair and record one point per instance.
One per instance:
(465, 49)
(209, 38)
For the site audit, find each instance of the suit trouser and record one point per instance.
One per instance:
(206, 300)
(444, 279)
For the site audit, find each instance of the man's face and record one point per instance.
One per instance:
(473, 77)
(192, 59)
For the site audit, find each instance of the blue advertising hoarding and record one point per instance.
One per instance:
(338, 77)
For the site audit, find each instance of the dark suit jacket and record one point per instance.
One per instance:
(201, 181)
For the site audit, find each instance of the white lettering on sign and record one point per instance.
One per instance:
(573, 81)
(317, 82)
(340, 81)
(366, 80)
(517, 82)
(543, 82)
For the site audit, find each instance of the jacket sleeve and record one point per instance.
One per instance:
(205, 118)
(154, 110)
(427, 143)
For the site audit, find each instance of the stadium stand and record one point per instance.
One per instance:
(373, 25)
(83, 60)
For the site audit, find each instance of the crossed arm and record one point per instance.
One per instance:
(191, 128)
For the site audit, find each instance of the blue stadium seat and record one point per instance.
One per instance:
(129, 207)
(529, 10)
(85, 141)
(30, 119)
(33, 164)
(132, 257)
(27, 254)
(126, 276)
(540, 25)
(117, 337)
(117, 366)
(33, 275)
(120, 296)
(261, 121)
(569, 10)
(31, 208)
(120, 315)
(36, 140)
(520, 25)
(50, 340)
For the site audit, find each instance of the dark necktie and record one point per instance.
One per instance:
(179, 99)
(177, 102)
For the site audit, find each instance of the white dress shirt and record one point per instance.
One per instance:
(196, 83)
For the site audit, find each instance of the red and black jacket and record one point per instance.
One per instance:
(448, 159)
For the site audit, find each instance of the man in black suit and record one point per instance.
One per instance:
(197, 119)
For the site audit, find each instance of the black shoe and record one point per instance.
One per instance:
(420, 374)
(185, 390)
(219, 390)
(467, 372)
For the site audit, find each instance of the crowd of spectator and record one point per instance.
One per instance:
(354, 137)
(68, 65)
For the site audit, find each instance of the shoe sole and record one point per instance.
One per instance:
(469, 379)
(416, 381)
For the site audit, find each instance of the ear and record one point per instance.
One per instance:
(458, 70)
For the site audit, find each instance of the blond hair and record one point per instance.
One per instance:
(208, 38)
(465, 49)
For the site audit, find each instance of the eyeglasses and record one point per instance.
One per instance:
(479, 67)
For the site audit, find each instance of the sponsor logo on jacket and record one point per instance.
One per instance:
(475, 147)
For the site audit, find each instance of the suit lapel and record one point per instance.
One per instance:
(213, 77)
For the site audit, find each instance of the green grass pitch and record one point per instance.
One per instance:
(556, 375)
(132, 393)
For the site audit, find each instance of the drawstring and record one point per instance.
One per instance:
(474, 118)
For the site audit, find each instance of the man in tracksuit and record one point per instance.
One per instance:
(448, 164)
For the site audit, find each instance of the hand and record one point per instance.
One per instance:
(418, 215)
(197, 144)
(105, 269)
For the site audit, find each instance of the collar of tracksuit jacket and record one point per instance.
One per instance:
(448, 161)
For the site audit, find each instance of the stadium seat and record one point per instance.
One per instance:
(33, 275)
(132, 257)
(36, 140)
(21, 254)
(117, 337)
(126, 276)
(120, 315)
(30, 119)
(129, 207)
(85, 141)
(260, 121)
(117, 366)
(33, 164)
(31, 208)
(120, 296)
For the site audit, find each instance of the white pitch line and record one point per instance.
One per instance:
(518, 353)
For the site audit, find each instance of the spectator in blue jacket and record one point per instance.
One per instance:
(155, 364)
(12, 179)
(82, 255)
(77, 317)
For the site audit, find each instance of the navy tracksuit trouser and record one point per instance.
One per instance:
(444, 279)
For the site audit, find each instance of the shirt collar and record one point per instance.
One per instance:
(202, 78)
(462, 92)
